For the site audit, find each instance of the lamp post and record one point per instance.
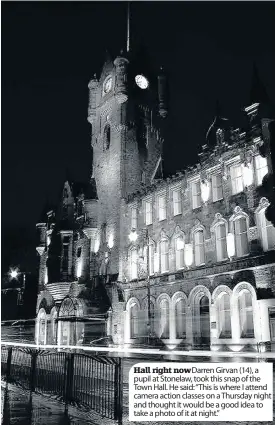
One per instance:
(133, 237)
(14, 274)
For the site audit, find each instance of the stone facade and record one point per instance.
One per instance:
(200, 249)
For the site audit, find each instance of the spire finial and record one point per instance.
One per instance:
(128, 27)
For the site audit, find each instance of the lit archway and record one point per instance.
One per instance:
(200, 310)
(70, 330)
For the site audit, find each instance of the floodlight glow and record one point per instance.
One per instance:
(188, 255)
(96, 247)
(230, 241)
(205, 191)
(247, 175)
(79, 269)
(133, 236)
(14, 274)
(111, 241)
(180, 244)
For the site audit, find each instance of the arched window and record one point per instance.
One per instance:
(54, 324)
(224, 316)
(241, 236)
(164, 319)
(133, 263)
(246, 314)
(42, 327)
(134, 320)
(180, 312)
(204, 320)
(106, 137)
(67, 310)
(179, 241)
(221, 247)
(267, 232)
(164, 256)
(199, 248)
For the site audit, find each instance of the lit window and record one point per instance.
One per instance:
(180, 312)
(134, 218)
(179, 252)
(221, 246)
(164, 256)
(261, 168)
(236, 179)
(267, 232)
(199, 248)
(133, 260)
(162, 207)
(246, 314)
(196, 194)
(177, 202)
(148, 212)
(151, 258)
(217, 187)
(164, 319)
(134, 321)
(224, 314)
(241, 237)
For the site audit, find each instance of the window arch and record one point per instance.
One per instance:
(241, 236)
(106, 137)
(199, 247)
(224, 316)
(164, 256)
(134, 263)
(164, 319)
(180, 313)
(42, 327)
(221, 247)
(179, 247)
(134, 320)
(54, 324)
(245, 306)
(266, 230)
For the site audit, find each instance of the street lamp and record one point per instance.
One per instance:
(13, 274)
(133, 237)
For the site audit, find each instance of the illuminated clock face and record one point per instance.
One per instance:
(142, 81)
(107, 85)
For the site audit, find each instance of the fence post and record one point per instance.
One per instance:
(34, 355)
(69, 374)
(118, 391)
(9, 364)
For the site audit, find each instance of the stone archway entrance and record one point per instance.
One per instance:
(70, 330)
(201, 319)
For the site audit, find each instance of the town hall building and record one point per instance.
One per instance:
(135, 259)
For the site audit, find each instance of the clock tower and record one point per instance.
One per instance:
(125, 106)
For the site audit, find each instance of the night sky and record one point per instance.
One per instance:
(51, 50)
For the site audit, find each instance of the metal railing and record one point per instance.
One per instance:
(81, 379)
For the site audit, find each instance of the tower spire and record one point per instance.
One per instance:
(128, 27)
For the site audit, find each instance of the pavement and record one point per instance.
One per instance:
(18, 408)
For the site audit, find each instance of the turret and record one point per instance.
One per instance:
(93, 87)
(162, 94)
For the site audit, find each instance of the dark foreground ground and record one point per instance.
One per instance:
(17, 407)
